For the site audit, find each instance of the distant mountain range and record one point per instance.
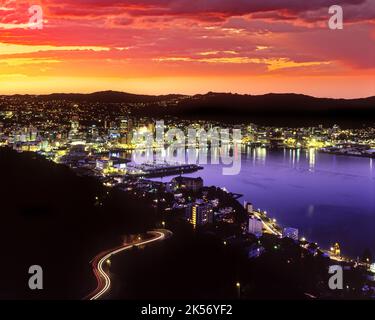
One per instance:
(104, 97)
(268, 108)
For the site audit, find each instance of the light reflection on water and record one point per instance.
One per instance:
(329, 198)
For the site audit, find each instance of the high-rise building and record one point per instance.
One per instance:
(248, 207)
(151, 127)
(199, 213)
(74, 128)
(255, 226)
(124, 125)
(94, 132)
(33, 133)
(130, 125)
(291, 233)
(74, 124)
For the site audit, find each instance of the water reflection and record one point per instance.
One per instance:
(261, 154)
(223, 155)
(312, 155)
(321, 194)
(371, 167)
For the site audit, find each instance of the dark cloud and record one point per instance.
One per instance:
(213, 10)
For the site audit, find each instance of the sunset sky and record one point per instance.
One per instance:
(188, 46)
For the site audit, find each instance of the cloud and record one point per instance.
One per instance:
(180, 38)
(6, 48)
(26, 61)
(272, 64)
(207, 10)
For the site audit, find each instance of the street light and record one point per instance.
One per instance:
(238, 286)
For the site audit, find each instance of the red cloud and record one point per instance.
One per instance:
(212, 10)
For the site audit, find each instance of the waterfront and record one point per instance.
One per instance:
(328, 198)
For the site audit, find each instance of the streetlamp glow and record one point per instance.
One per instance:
(238, 286)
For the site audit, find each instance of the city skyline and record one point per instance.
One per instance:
(164, 47)
(198, 154)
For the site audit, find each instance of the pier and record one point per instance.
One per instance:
(161, 170)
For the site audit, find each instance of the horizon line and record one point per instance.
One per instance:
(184, 94)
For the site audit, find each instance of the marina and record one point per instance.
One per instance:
(153, 170)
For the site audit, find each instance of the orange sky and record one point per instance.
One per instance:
(180, 46)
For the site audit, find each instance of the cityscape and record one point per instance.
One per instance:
(102, 145)
(173, 152)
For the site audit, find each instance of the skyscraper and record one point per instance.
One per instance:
(255, 226)
(199, 213)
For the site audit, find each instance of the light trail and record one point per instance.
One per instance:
(279, 234)
(104, 281)
(275, 232)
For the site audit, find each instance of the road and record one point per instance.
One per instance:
(268, 226)
(103, 279)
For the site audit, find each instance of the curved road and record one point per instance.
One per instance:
(104, 281)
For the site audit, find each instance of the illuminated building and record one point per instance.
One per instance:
(94, 132)
(103, 164)
(130, 125)
(199, 213)
(124, 126)
(291, 233)
(74, 129)
(187, 183)
(32, 133)
(336, 249)
(255, 226)
(74, 125)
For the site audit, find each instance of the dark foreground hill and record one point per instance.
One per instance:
(50, 217)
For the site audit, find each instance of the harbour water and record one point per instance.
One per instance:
(329, 198)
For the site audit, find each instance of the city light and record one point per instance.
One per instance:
(120, 120)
